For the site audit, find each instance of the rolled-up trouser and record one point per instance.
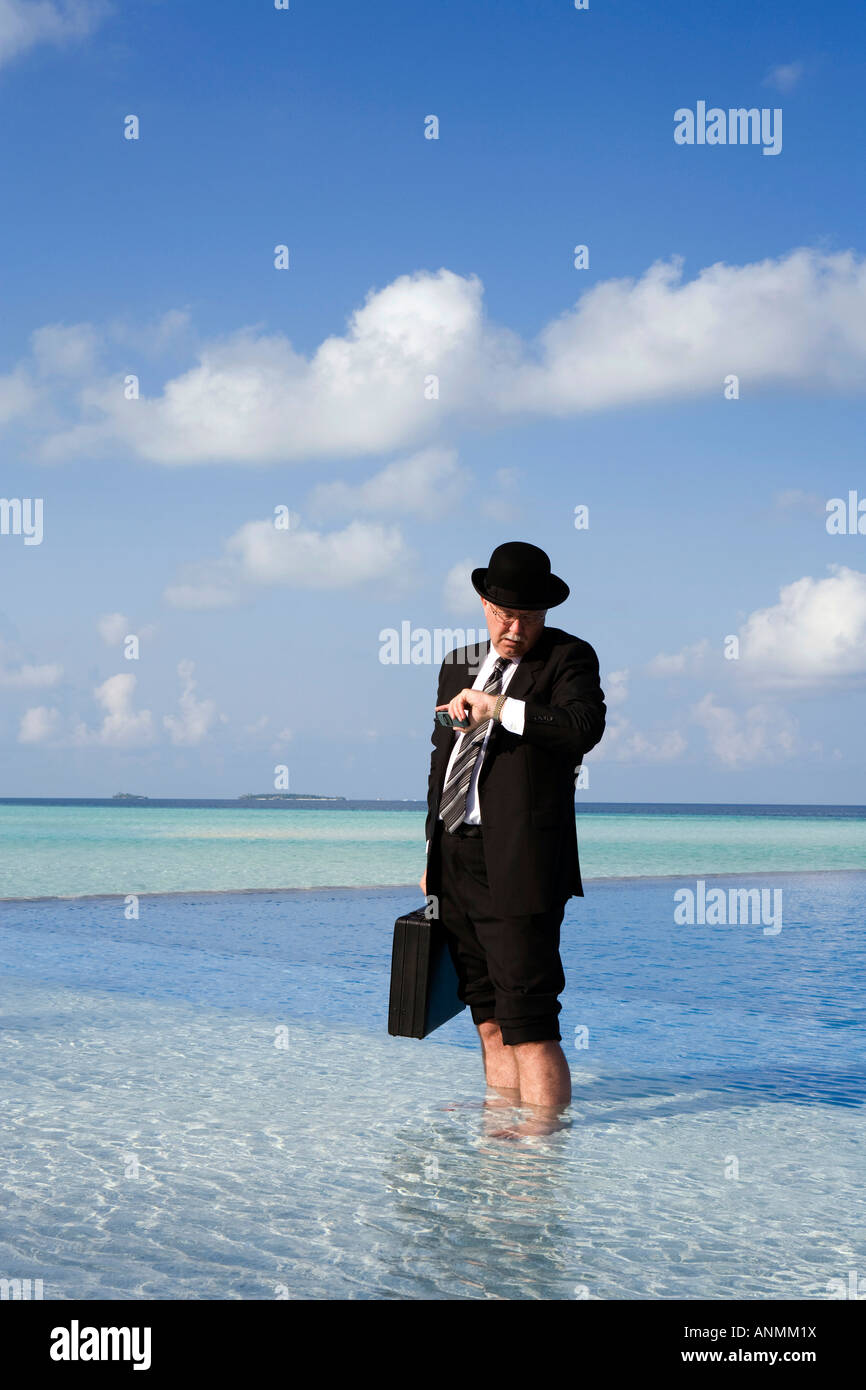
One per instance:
(508, 968)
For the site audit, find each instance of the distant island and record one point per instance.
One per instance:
(128, 796)
(288, 796)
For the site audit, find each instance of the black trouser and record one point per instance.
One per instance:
(508, 967)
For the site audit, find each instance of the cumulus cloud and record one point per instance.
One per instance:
(122, 727)
(252, 398)
(625, 744)
(622, 741)
(17, 674)
(429, 484)
(797, 321)
(26, 23)
(690, 659)
(813, 638)
(38, 724)
(196, 717)
(114, 628)
(761, 734)
(260, 554)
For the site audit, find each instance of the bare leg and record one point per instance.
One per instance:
(544, 1078)
(500, 1063)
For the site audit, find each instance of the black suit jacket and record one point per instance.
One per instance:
(526, 784)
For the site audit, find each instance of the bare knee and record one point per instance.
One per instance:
(490, 1031)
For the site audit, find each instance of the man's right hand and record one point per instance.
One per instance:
(423, 883)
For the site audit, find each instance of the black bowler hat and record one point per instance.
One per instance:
(518, 576)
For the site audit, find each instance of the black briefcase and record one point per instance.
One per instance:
(423, 978)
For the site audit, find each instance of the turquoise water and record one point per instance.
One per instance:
(204, 1103)
(56, 851)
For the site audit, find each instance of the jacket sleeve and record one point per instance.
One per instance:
(574, 720)
(436, 741)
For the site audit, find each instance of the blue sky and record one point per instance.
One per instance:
(412, 258)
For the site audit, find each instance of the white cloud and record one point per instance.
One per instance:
(196, 717)
(799, 319)
(762, 734)
(209, 590)
(689, 659)
(259, 554)
(38, 724)
(59, 350)
(17, 674)
(625, 744)
(252, 398)
(166, 332)
(796, 321)
(813, 638)
(785, 76)
(794, 499)
(26, 676)
(122, 726)
(615, 686)
(26, 23)
(429, 484)
(18, 395)
(318, 560)
(622, 741)
(113, 627)
(458, 593)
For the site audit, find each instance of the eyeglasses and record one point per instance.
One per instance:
(532, 618)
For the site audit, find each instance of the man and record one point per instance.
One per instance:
(501, 838)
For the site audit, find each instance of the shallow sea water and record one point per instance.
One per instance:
(205, 1103)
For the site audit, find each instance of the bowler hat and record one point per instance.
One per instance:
(519, 576)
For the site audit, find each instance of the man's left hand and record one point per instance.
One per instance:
(478, 704)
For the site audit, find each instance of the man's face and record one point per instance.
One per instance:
(513, 630)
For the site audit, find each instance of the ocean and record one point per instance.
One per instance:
(201, 1099)
(57, 849)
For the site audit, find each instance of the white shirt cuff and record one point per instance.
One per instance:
(512, 715)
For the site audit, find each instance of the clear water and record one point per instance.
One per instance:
(348, 1164)
(48, 851)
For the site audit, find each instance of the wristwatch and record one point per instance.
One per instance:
(497, 708)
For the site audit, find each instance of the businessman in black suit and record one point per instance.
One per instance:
(501, 837)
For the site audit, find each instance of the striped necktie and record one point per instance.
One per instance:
(456, 789)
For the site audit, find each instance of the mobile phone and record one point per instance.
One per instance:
(443, 717)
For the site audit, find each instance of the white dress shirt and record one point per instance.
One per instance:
(511, 716)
